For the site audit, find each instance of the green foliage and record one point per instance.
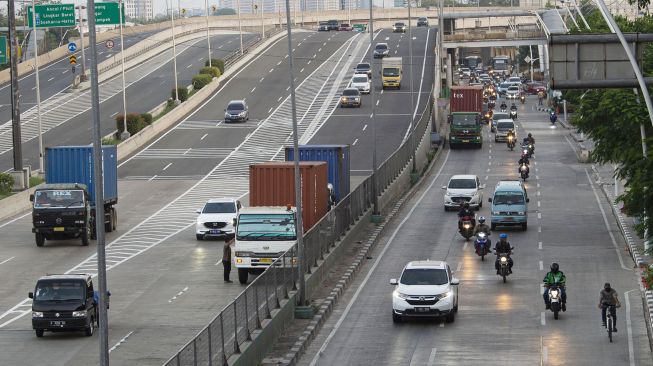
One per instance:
(135, 123)
(201, 80)
(183, 93)
(147, 118)
(6, 183)
(213, 71)
(216, 62)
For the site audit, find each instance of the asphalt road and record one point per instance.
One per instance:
(56, 76)
(148, 84)
(497, 323)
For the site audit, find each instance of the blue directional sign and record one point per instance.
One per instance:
(72, 47)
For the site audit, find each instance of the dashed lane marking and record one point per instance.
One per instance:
(123, 340)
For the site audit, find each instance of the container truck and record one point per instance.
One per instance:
(465, 103)
(391, 72)
(267, 229)
(64, 207)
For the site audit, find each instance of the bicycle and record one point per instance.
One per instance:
(609, 321)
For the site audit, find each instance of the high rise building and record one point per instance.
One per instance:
(139, 9)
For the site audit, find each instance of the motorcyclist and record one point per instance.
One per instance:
(523, 160)
(529, 139)
(510, 133)
(513, 107)
(465, 212)
(503, 246)
(482, 227)
(609, 297)
(553, 117)
(555, 276)
(503, 105)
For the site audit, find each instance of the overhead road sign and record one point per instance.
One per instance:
(49, 16)
(593, 61)
(107, 14)
(3, 50)
(72, 47)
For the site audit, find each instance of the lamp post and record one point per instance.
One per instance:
(240, 28)
(208, 35)
(81, 40)
(125, 133)
(375, 198)
(174, 50)
(38, 89)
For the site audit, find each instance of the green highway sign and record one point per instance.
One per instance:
(3, 50)
(107, 13)
(56, 15)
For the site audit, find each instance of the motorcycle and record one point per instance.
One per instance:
(523, 171)
(503, 108)
(504, 264)
(527, 150)
(522, 99)
(466, 228)
(553, 118)
(482, 245)
(511, 142)
(513, 114)
(555, 299)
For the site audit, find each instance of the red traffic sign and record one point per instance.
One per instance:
(109, 43)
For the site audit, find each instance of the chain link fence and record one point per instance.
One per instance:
(234, 324)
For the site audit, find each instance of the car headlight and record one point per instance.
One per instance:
(244, 254)
(241, 113)
(37, 314)
(79, 221)
(343, 99)
(79, 314)
(520, 213)
(495, 212)
(400, 295)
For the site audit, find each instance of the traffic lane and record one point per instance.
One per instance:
(137, 201)
(142, 95)
(54, 77)
(259, 101)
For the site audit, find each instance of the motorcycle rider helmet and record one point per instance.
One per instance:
(606, 287)
(481, 219)
(555, 267)
(530, 135)
(503, 236)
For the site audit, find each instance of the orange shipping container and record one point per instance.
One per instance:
(466, 98)
(273, 184)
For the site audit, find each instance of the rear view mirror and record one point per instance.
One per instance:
(455, 281)
(235, 221)
(30, 295)
(31, 198)
(444, 187)
(528, 200)
(489, 199)
(394, 282)
(198, 210)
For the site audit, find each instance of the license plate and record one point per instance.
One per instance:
(509, 219)
(465, 140)
(57, 323)
(59, 229)
(422, 310)
(215, 232)
(265, 260)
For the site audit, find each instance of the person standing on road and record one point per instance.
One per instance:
(226, 258)
(540, 98)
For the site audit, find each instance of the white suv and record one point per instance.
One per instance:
(216, 218)
(463, 189)
(425, 289)
(360, 82)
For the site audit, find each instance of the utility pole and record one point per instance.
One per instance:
(15, 95)
(240, 28)
(125, 133)
(38, 92)
(82, 76)
(208, 35)
(174, 49)
(375, 179)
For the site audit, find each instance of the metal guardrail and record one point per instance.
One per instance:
(233, 326)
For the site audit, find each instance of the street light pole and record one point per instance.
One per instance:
(174, 50)
(125, 133)
(38, 90)
(208, 36)
(375, 180)
(240, 28)
(81, 40)
(410, 64)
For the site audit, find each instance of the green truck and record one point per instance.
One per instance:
(465, 104)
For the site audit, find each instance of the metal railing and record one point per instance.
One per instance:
(233, 326)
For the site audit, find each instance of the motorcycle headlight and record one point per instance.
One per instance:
(504, 259)
(244, 254)
(554, 293)
(79, 314)
(523, 168)
(37, 314)
(466, 226)
(400, 295)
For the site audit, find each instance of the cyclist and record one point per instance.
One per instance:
(608, 298)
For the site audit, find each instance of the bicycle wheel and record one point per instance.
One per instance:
(610, 328)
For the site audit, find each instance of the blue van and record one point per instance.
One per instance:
(509, 205)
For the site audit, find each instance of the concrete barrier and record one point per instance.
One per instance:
(16, 204)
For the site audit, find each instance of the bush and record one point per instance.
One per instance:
(183, 94)
(6, 183)
(147, 118)
(213, 71)
(135, 123)
(201, 80)
(216, 62)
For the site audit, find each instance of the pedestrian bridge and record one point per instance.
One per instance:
(494, 38)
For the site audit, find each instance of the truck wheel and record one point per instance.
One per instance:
(108, 226)
(114, 219)
(39, 332)
(243, 276)
(85, 237)
(40, 239)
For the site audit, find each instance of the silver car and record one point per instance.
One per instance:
(503, 126)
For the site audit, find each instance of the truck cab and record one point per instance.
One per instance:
(263, 234)
(61, 211)
(391, 72)
(64, 303)
(465, 129)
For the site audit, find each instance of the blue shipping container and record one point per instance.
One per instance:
(337, 158)
(74, 164)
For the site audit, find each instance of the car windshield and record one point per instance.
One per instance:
(424, 276)
(514, 79)
(499, 115)
(253, 227)
(57, 198)
(219, 207)
(504, 85)
(462, 184)
(508, 198)
(363, 67)
(59, 291)
(422, 19)
(513, 89)
(399, 24)
(463, 120)
(464, 69)
(505, 125)
(391, 71)
(236, 107)
(381, 47)
(324, 23)
(350, 92)
(360, 79)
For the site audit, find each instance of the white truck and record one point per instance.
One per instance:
(263, 234)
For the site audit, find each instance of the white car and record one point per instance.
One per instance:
(360, 82)
(466, 71)
(216, 219)
(514, 79)
(463, 189)
(503, 88)
(425, 289)
(512, 92)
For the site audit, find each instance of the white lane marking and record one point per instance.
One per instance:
(286, 56)
(315, 55)
(486, 177)
(541, 266)
(278, 100)
(539, 215)
(442, 325)
(278, 63)
(153, 177)
(545, 354)
(539, 229)
(309, 62)
(364, 127)
(541, 289)
(203, 137)
(376, 263)
(16, 219)
(178, 294)
(542, 318)
(371, 115)
(421, 82)
(355, 142)
(302, 70)
(487, 170)
(260, 81)
(65, 71)
(114, 114)
(270, 110)
(629, 325)
(293, 50)
(605, 221)
(538, 203)
(34, 88)
(465, 245)
(377, 102)
(538, 193)
(7, 260)
(50, 79)
(324, 44)
(123, 340)
(251, 91)
(431, 361)
(460, 266)
(319, 49)
(489, 156)
(539, 245)
(287, 88)
(537, 177)
(199, 59)
(189, 66)
(271, 70)
(387, 38)
(167, 166)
